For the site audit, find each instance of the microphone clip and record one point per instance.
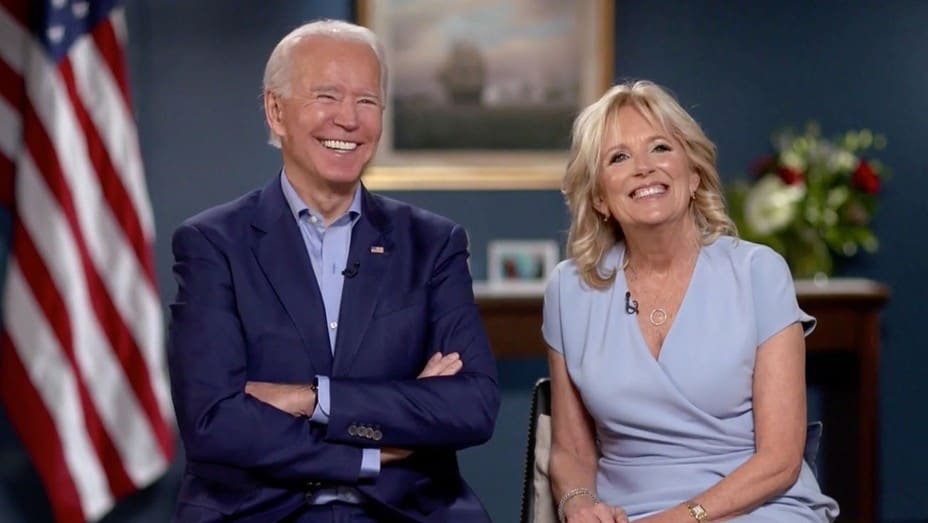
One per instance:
(631, 306)
(351, 270)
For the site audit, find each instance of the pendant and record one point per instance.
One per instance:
(657, 317)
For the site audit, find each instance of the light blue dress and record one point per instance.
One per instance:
(671, 427)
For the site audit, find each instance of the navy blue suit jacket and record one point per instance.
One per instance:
(248, 308)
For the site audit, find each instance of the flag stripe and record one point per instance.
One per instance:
(55, 384)
(110, 183)
(95, 77)
(11, 85)
(7, 171)
(49, 300)
(139, 307)
(9, 135)
(18, 10)
(41, 439)
(113, 395)
(42, 151)
(99, 227)
(81, 314)
(105, 39)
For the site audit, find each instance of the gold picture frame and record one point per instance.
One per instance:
(436, 49)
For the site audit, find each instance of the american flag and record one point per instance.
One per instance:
(82, 373)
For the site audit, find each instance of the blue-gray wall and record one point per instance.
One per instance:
(742, 69)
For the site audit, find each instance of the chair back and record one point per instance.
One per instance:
(537, 505)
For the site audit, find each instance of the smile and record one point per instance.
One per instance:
(339, 145)
(650, 190)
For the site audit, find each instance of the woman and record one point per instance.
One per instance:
(677, 369)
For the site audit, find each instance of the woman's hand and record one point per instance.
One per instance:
(582, 509)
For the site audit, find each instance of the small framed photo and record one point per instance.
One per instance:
(520, 263)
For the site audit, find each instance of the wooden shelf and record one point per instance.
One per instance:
(847, 310)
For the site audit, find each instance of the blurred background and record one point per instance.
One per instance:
(743, 70)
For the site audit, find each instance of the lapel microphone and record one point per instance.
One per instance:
(631, 306)
(352, 270)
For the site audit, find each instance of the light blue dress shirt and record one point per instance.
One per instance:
(327, 247)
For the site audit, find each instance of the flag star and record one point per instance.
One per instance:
(56, 33)
(58, 4)
(80, 9)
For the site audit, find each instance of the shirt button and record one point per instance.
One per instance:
(313, 219)
(333, 325)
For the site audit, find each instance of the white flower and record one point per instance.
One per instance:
(793, 160)
(842, 161)
(771, 204)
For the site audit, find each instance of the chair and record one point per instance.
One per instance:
(537, 504)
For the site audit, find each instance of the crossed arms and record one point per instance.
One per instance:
(226, 417)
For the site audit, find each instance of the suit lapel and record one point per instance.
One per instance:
(281, 253)
(372, 247)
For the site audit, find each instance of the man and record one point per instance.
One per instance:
(326, 356)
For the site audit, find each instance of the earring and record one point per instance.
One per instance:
(693, 195)
(605, 218)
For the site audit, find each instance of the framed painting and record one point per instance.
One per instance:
(520, 263)
(482, 94)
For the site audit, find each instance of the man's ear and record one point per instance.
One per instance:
(273, 112)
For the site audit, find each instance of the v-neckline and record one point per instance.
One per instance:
(673, 321)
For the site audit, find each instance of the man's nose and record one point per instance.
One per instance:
(347, 115)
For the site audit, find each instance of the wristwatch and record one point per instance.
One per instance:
(697, 511)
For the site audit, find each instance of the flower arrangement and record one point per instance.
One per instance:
(813, 199)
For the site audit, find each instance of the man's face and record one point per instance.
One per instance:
(330, 123)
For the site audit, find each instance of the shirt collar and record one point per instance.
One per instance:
(298, 206)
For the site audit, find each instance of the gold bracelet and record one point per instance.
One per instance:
(571, 494)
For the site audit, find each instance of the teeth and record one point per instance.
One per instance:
(339, 145)
(648, 191)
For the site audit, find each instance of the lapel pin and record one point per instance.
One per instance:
(377, 249)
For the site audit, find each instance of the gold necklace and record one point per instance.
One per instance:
(658, 315)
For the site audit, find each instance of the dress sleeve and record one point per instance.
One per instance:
(775, 304)
(551, 322)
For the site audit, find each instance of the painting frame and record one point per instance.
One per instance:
(485, 169)
(520, 264)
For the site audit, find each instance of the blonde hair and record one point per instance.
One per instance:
(589, 237)
(277, 70)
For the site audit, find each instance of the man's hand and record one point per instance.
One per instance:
(294, 399)
(438, 365)
(390, 454)
(442, 365)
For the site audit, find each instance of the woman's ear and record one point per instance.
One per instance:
(599, 204)
(695, 180)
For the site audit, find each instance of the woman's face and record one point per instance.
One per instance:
(646, 180)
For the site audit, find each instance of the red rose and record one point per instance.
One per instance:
(763, 165)
(789, 175)
(865, 178)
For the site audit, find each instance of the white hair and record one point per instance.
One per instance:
(277, 78)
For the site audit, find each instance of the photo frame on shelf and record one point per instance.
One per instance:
(482, 94)
(520, 263)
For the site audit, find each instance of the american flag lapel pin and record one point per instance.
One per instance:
(376, 249)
